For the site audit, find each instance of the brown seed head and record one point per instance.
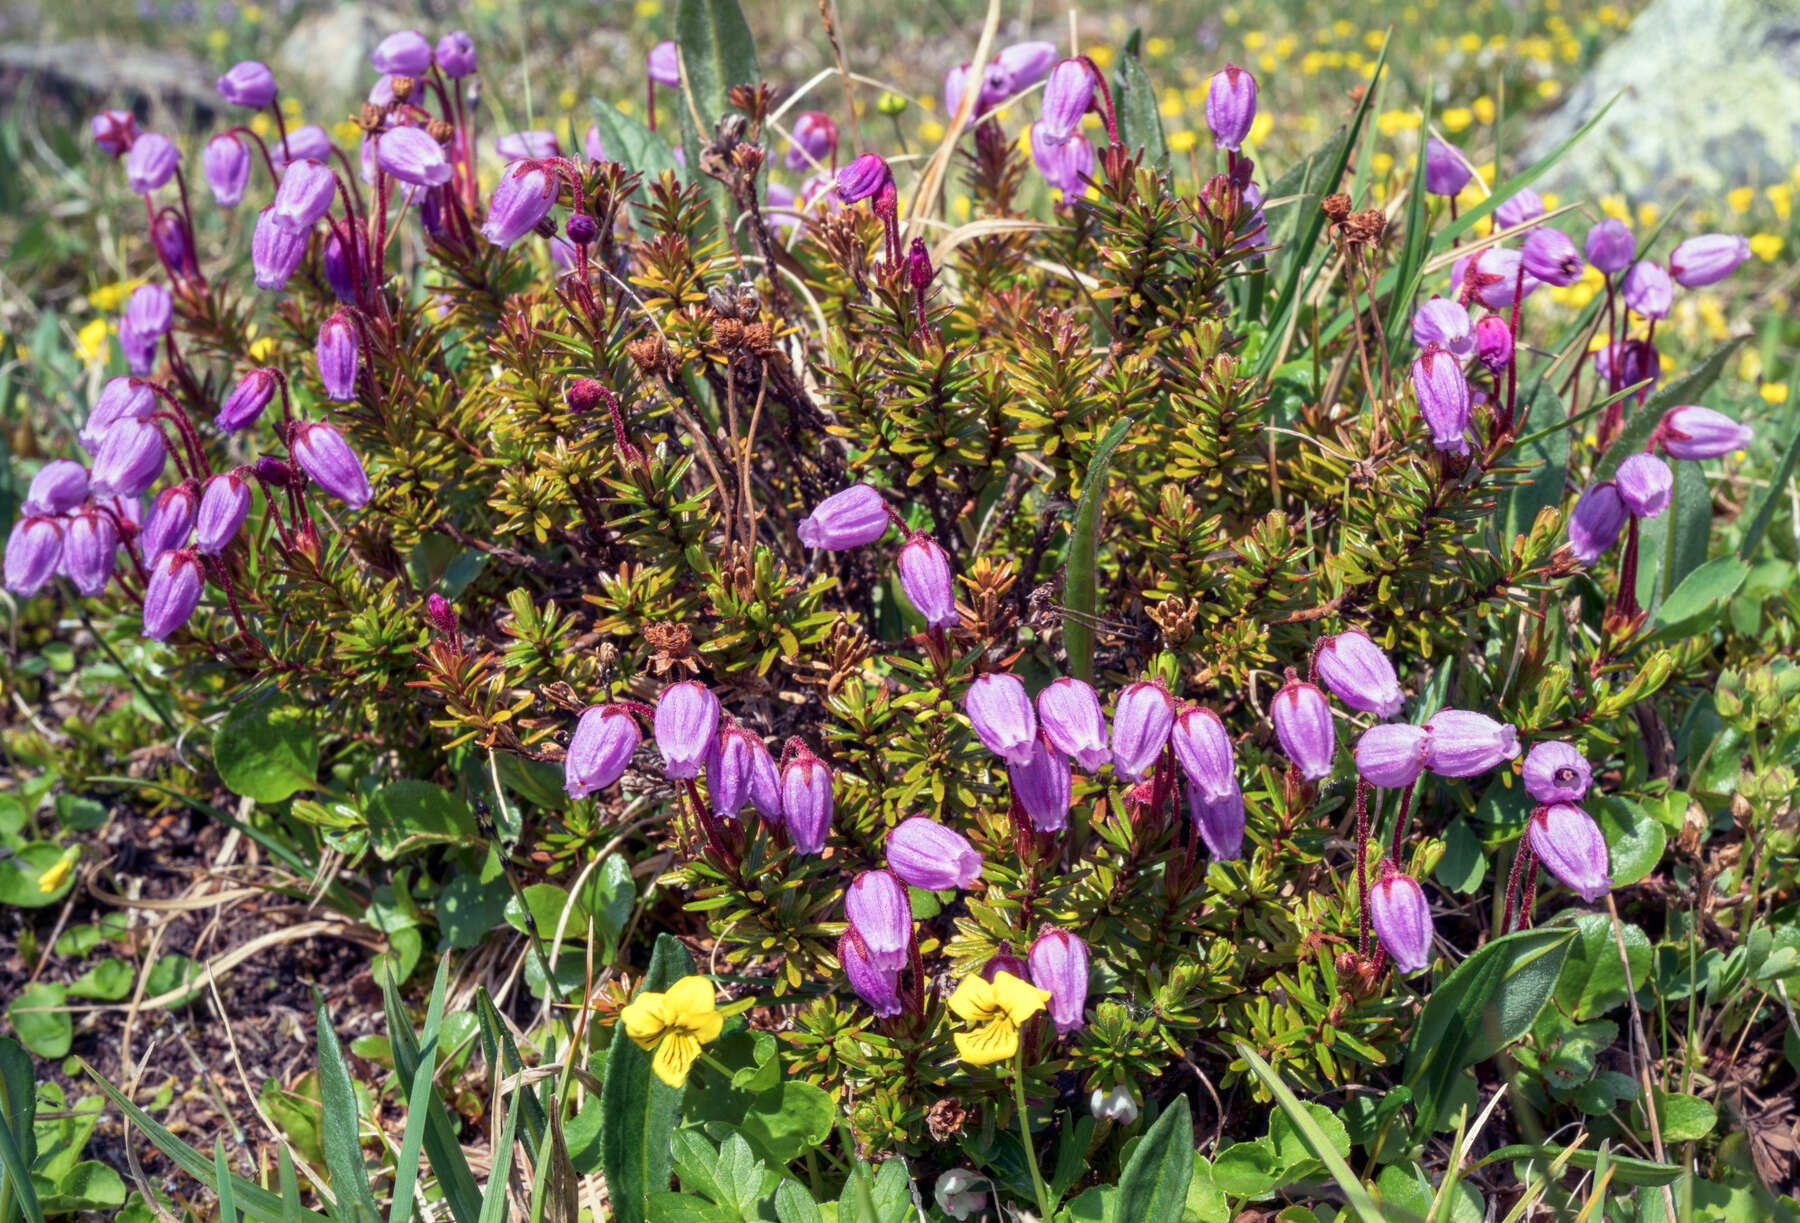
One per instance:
(403, 87)
(1336, 206)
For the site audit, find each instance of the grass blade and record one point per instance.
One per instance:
(1315, 1138)
(421, 1095)
(1084, 542)
(455, 1181)
(340, 1134)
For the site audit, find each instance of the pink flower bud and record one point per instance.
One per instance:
(1464, 743)
(1360, 675)
(1693, 432)
(1001, 715)
(226, 163)
(1041, 783)
(863, 178)
(247, 400)
(1550, 256)
(58, 487)
(1069, 711)
(600, 750)
(523, 197)
(338, 354)
(1443, 395)
(1304, 728)
(1391, 755)
(1447, 171)
(151, 162)
(849, 518)
(814, 143)
(34, 549)
(323, 454)
(663, 63)
(1527, 205)
(1204, 750)
(1231, 106)
(877, 908)
(90, 550)
(405, 54)
(928, 855)
(1645, 485)
(1059, 963)
(1568, 842)
(1068, 94)
(1401, 918)
(925, 577)
(1647, 290)
(176, 582)
(305, 195)
(275, 251)
(686, 723)
(740, 770)
(1610, 246)
(130, 459)
(412, 156)
(1493, 343)
(1594, 526)
(1707, 259)
(1445, 324)
(1219, 820)
(224, 504)
(806, 801)
(1142, 719)
(878, 987)
(171, 520)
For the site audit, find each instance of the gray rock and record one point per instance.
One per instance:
(1710, 101)
(326, 56)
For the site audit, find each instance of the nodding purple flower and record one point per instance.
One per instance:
(139, 348)
(226, 163)
(58, 487)
(686, 724)
(275, 251)
(1707, 259)
(1219, 820)
(1628, 363)
(1463, 743)
(926, 579)
(600, 750)
(151, 162)
(1000, 713)
(850, 518)
(1391, 755)
(412, 156)
(173, 591)
(928, 855)
(1063, 163)
(1610, 246)
(309, 142)
(113, 131)
(1594, 526)
(1645, 485)
(1556, 773)
(170, 523)
(1694, 432)
(1041, 783)
(1021, 65)
(1067, 96)
(151, 310)
(1568, 842)
(814, 143)
(1069, 712)
(1143, 716)
(1445, 324)
(1231, 106)
(456, 55)
(1647, 289)
(1359, 674)
(591, 145)
(740, 770)
(90, 550)
(960, 81)
(324, 455)
(406, 54)
(1447, 171)
(533, 145)
(1493, 343)
(877, 908)
(1526, 205)
(169, 233)
(806, 801)
(224, 504)
(1492, 277)
(34, 550)
(1550, 255)
(305, 194)
(1059, 963)
(1443, 394)
(130, 459)
(522, 198)
(863, 178)
(338, 353)
(247, 84)
(120, 399)
(1204, 750)
(878, 987)
(664, 63)
(244, 406)
(1304, 727)
(1401, 918)
(342, 273)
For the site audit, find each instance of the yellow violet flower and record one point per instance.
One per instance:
(1000, 1007)
(674, 1024)
(53, 878)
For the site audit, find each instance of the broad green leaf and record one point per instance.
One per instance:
(717, 52)
(1701, 599)
(1292, 1151)
(89, 1185)
(1673, 544)
(18, 1133)
(1634, 841)
(1312, 1137)
(109, 981)
(473, 902)
(39, 1021)
(1205, 1200)
(1488, 1002)
(1683, 1118)
(175, 972)
(638, 1110)
(1140, 122)
(793, 1204)
(1593, 979)
(404, 815)
(343, 1127)
(265, 751)
(1154, 1183)
(789, 1119)
(24, 874)
(1084, 543)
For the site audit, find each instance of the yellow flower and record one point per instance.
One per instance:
(1484, 109)
(108, 299)
(674, 1024)
(1457, 118)
(90, 341)
(1260, 128)
(1774, 392)
(1740, 198)
(1766, 246)
(1182, 141)
(999, 1007)
(53, 878)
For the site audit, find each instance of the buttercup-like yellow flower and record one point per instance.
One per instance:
(674, 1024)
(53, 878)
(1000, 1007)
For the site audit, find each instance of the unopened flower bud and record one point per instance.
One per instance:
(226, 164)
(849, 518)
(1204, 749)
(1694, 432)
(600, 750)
(34, 549)
(1059, 963)
(1493, 343)
(173, 591)
(1068, 93)
(151, 162)
(1041, 784)
(1142, 719)
(1231, 106)
(1645, 485)
(925, 577)
(1443, 395)
(323, 454)
(522, 198)
(1707, 259)
(1401, 918)
(1594, 526)
(1000, 713)
(90, 550)
(877, 908)
(1069, 712)
(1219, 819)
(1447, 172)
(1304, 728)
(1568, 842)
(686, 723)
(170, 523)
(405, 53)
(224, 504)
(414, 155)
(1359, 674)
(806, 801)
(1647, 290)
(928, 855)
(1391, 755)
(58, 487)
(878, 987)
(247, 400)
(1464, 743)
